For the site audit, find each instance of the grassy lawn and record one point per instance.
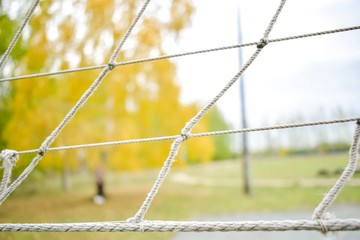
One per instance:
(41, 200)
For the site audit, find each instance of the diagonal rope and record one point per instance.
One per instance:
(344, 178)
(18, 33)
(261, 44)
(45, 145)
(176, 144)
(143, 60)
(139, 216)
(274, 19)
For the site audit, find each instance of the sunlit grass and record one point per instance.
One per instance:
(303, 166)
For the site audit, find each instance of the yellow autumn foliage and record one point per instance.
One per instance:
(133, 101)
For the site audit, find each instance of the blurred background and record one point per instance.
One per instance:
(311, 79)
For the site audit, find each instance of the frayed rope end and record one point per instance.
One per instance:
(9, 158)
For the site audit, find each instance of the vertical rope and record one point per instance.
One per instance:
(139, 216)
(344, 178)
(18, 33)
(45, 145)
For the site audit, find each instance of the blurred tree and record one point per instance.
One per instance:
(8, 29)
(134, 101)
(222, 142)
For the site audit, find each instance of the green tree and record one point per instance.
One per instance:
(222, 142)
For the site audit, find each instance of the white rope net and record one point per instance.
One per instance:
(319, 222)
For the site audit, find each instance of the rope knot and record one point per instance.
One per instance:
(111, 66)
(9, 158)
(42, 151)
(326, 216)
(142, 227)
(262, 43)
(324, 229)
(139, 222)
(184, 136)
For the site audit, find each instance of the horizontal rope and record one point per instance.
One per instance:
(260, 129)
(195, 135)
(315, 34)
(184, 226)
(178, 55)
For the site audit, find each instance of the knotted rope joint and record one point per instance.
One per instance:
(262, 43)
(111, 66)
(41, 152)
(324, 229)
(184, 137)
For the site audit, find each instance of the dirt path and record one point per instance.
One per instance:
(206, 181)
(341, 211)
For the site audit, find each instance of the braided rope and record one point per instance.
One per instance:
(318, 224)
(188, 226)
(195, 135)
(18, 33)
(185, 133)
(273, 20)
(137, 224)
(143, 60)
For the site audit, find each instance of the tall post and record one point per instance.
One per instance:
(245, 151)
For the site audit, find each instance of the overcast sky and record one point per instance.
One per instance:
(308, 77)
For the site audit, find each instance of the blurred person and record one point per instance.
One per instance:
(99, 179)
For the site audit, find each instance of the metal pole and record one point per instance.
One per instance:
(245, 152)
